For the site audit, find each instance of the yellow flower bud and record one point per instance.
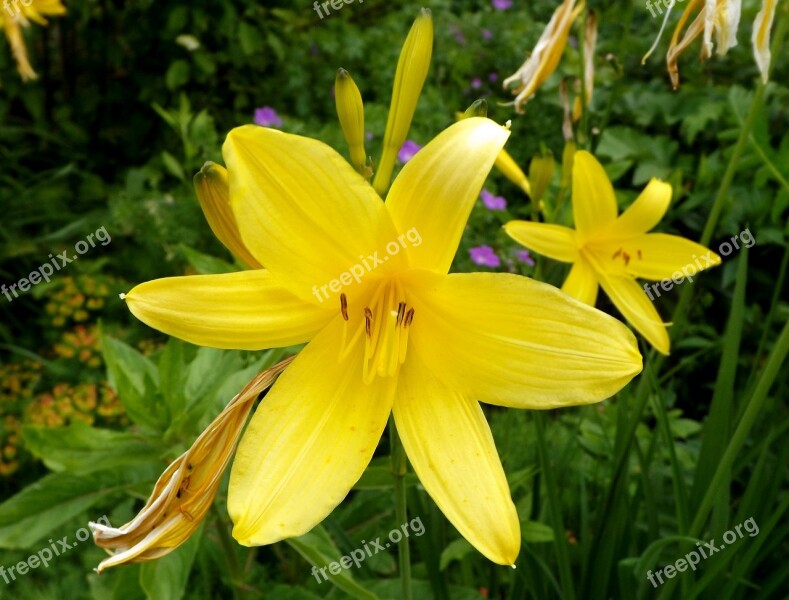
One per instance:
(350, 111)
(409, 78)
(213, 192)
(540, 174)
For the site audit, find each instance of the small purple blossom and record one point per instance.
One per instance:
(502, 4)
(487, 34)
(369, 136)
(493, 202)
(267, 117)
(476, 83)
(485, 256)
(524, 257)
(408, 150)
(493, 76)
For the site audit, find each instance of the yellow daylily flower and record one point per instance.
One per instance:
(16, 15)
(213, 193)
(365, 283)
(545, 56)
(611, 251)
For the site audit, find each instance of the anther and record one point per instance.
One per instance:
(409, 317)
(400, 313)
(617, 253)
(368, 322)
(344, 306)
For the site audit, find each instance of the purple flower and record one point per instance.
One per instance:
(487, 34)
(408, 150)
(502, 4)
(476, 83)
(369, 136)
(267, 117)
(493, 76)
(524, 257)
(493, 202)
(485, 256)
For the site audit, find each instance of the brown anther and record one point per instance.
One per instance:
(626, 257)
(409, 316)
(344, 306)
(617, 253)
(187, 515)
(639, 255)
(400, 313)
(368, 322)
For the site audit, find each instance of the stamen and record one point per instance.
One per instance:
(368, 322)
(344, 306)
(408, 318)
(400, 313)
(617, 253)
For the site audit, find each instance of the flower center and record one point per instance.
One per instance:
(384, 320)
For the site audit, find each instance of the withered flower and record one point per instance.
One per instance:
(186, 490)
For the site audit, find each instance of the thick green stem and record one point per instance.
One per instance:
(399, 469)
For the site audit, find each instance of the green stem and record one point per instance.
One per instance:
(229, 550)
(752, 413)
(554, 510)
(399, 469)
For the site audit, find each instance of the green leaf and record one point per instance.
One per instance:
(81, 449)
(534, 531)
(136, 380)
(173, 166)
(456, 550)
(319, 550)
(206, 264)
(166, 578)
(177, 75)
(39, 509)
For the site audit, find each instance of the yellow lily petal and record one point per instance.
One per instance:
(654, 256)
(309, 441)
(634, 305)
(437, 188)
(513, 341)
(301, 208)
(213, 192)
(449, 444)
(554, 241)
(246, 311)
(581, 283)
(594, 201)
(646, 211)
(761, 37)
